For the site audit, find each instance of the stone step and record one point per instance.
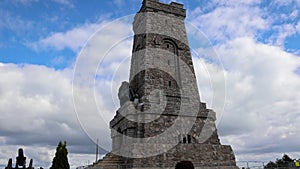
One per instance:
(110, 158)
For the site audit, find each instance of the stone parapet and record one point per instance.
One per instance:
(156, 6)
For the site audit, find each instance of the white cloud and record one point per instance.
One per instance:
(37, 111)
(65, 2)
(298, 27)
(106, 56)
(43, 96)
(25, 2)
(262, 102)
(282, 3)
(73, 39)
(119, 3)
(15, 23)
(235, 2)
(294, 14)
(228, 22)
(76, 38)
(284, 31)
(262, 91)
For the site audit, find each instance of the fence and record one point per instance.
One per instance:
(261, 165)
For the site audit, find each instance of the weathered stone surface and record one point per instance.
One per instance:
(124, 93)
(163, 98)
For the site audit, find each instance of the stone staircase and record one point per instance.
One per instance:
(110, 161)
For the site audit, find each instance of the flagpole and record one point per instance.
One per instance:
(96, 151)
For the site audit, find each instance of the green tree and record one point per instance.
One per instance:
(271, 165)
(60, 160)
(284, 162)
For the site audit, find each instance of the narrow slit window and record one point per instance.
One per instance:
(170, 83)
(189, 139)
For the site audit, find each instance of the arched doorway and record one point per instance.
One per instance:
(184, 165)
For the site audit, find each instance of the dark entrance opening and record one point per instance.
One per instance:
(184, 165)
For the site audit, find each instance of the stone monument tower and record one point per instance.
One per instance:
(161, 122)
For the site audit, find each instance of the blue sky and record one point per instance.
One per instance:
(257, 42)
(26, 22)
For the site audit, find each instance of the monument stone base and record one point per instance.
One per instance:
(202, 156)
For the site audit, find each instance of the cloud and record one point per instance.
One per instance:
(228, 21)
(298, 27)
(262, 101)
(77, 37)
(42, 99)
(65, 2)
(73, 39)
(283, 3)
(118, 3)
(283, 22)
(262, 104)
(14, 23)
(25, 2)
(37, 111)
(294, 14)
(284, 31)
(235, 2)
(105, 58)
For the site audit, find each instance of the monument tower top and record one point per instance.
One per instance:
(156, 6)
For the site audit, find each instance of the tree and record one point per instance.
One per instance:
(60, 160)
(271, 165)
(284, 162)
